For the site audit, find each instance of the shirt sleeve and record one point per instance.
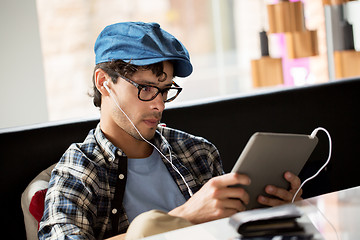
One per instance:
(215, 161)
(70, 209)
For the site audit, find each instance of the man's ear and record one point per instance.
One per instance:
(100, 77)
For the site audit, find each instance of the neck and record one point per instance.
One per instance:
(131, 146)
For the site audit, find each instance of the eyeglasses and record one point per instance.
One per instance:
(148, 93)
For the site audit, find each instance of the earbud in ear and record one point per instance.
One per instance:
(106, 87)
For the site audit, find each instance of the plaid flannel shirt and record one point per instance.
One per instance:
(82, 185)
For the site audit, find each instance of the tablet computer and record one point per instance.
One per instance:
(267, 156)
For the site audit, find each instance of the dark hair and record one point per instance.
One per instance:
(118, 68)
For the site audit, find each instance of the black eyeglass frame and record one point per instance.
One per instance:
(141, 86)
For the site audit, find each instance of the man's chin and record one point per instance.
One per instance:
(149, 135)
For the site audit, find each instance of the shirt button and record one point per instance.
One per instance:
(121, 176)
(114, 211)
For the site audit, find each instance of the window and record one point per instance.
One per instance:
(221, 36)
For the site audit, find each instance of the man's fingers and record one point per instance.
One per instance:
(235, 193)
(282, 195)
(231, 204)
(294, 180)
(269, 201)
(279, 192)
(229, 179)
(295, 184)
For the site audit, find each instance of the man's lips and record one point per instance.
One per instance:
(152, 122)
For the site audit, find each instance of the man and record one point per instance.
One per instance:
(128, 164)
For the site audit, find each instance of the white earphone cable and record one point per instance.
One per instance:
(170, 161)
(313, 134)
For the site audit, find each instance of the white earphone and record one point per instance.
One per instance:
(105, 84)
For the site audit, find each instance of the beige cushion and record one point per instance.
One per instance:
(40, 182)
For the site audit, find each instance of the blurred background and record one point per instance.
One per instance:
(47, 51)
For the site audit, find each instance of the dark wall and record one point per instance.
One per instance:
(228, 124)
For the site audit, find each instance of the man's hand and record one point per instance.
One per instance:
(215, 199)
(283, 195)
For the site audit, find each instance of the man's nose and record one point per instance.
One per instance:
(158, 102)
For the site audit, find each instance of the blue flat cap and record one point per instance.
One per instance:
(142, 44)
